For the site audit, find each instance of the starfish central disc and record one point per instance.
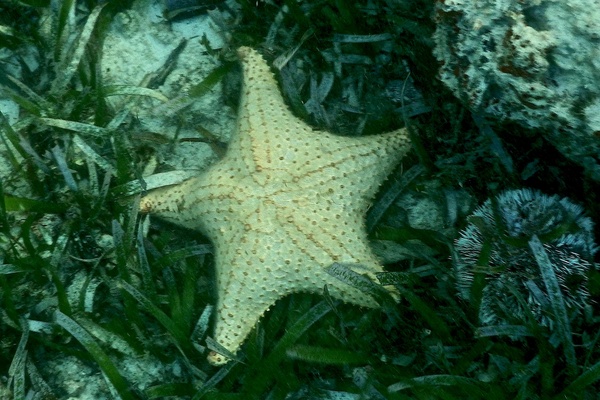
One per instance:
(283, 204)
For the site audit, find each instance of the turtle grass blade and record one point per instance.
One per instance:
(8, 302)
(590, 376)
(7, 31)
(66, 7)
(4, 227)
(431, 238)
(128, 90)
(173, 390)
(18, 376)
(39, 103)
(17, 367)
(177, 335)
(408, 278)
(119, 118)
(80, 127)
(7, 269)
(8, 133)
(212, 382)
(37, 381)
(503, 330)
(547, 359)
(201, 326)
(185, 312)
(60, 246)
(105, 336)
(264, 371)
(324, 355)
(400, 280)
(526, 372)
(557, 302)
(181, 254)
(382, 296)
(346, 38)
(122, 247)
(479, 277)
(127, 189)
(30, 106)
(36, 3)
(214, 77)
(197, 91)
(346, 274)
(92, 155)
(152, 182)
(469, 385)
(436, 323)
(213, 345)
(111, 372)
(145, 268)
(68, 66)
(64, 169)
(378, 209)
(27, 148)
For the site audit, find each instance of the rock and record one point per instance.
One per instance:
(533, 62)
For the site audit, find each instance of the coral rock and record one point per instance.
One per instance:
(534, 62)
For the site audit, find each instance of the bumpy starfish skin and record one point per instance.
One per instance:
(282, 205)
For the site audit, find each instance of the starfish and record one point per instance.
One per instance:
(282, 205)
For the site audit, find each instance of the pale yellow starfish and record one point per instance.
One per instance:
(282, 205)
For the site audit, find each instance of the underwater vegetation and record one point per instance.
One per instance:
(496, 302)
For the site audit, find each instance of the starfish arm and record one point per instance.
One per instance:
(292, 144)
(167, 201)
(188, 204)
(353, 167)
(271, 266)
(261, 107)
